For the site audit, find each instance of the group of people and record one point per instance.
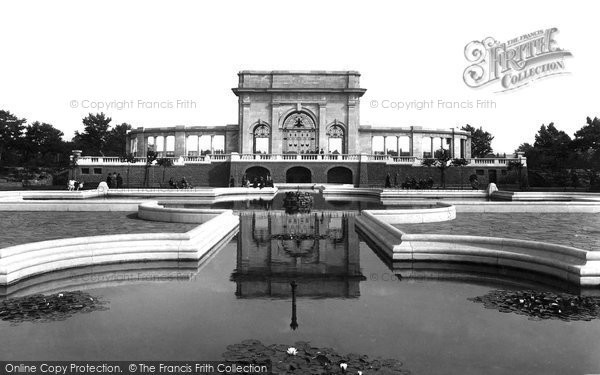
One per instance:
(254, 182)
(114, 181)
(74, 185)
(183, 184)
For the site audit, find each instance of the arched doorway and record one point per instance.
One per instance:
(299, 134)
(257, 172)
(339, 175)
(298, 175)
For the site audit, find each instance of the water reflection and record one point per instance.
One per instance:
(318, 251)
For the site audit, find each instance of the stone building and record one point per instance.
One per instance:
(309, 112)
(295, 127)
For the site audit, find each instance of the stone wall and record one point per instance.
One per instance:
(217, 174)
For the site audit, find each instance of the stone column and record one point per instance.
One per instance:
(322, 131)
(245, 134)
(179, 141)
(276, 136)
(417, 143)
(141, 145)
(353, 123)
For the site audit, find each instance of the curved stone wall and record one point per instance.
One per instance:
(23, 261)
(574, 265)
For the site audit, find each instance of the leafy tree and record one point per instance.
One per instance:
(518, 166)
(552, 147)
(164, 163)
(11, 129)
(441, 161)
(150, 159)
(459, 162)
(42, 139)
(128, 158)
(588, 137)
(95, 135)
(116, 140)
(481, 141)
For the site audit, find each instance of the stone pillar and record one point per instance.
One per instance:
(322, 131)
(180, 139)
(416, 141)
(353, 123)
(276, 136)
(142, 147)
(245, 123)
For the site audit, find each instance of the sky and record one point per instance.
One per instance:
(63, 60)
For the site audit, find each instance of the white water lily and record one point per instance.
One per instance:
(60, 294)
(359, 372)
(292, 351)
(344, 366)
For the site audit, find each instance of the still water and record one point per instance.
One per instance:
(346, 298)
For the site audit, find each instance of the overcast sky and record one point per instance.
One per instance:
(61, 55)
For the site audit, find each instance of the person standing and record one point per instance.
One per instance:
(109, 180)
(114, 179)
(119, 181)
(388, 182)
(231, 181)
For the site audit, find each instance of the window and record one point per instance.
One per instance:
(204, 144)
(192, 145)
(335, 139)
(85, 171)
(218, 144)
(262, 134)
(391, 145)
(97, 170)
(160, 144)
(404, 146)
(426, 146)
(378, 145)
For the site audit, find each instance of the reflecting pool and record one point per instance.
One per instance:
(302, 277)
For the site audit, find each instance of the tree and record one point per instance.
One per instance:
(164, 163)
(95, 135)
(42, 139)
(116, 140)
(128, 158)
(588, 137)
(150, 160)
(441, 161)
(11, 129)
(481, 141)
(552, 147)
(518, 166)
(459, 162)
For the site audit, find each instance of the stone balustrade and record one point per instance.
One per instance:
(234, 157)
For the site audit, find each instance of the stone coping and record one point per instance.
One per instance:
(155, 211)
(437, 211)
(27, 260)
(545, 196)
(570, 264)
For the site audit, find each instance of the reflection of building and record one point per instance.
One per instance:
(319, 251)
(286, 112)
